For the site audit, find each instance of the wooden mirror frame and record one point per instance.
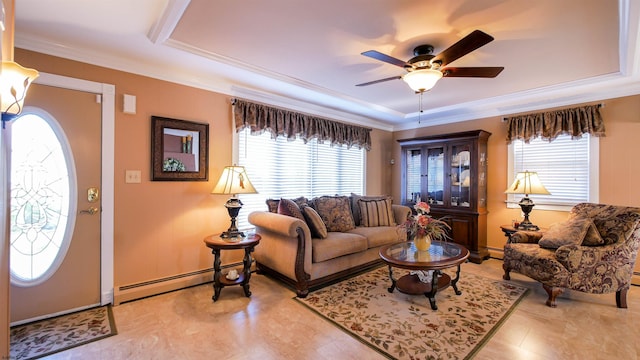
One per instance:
(158, 149)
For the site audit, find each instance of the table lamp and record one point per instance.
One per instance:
(234, 181)
(526, 183)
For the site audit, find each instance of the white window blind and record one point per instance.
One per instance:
(290, 169)
(567, 168)
(414, 173)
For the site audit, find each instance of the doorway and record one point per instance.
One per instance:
(84, 276)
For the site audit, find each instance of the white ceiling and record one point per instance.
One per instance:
(305, 55)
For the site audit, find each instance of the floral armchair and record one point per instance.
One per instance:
(594, 251)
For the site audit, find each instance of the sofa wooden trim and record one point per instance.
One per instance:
(303, 285)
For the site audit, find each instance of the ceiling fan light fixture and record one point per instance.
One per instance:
(423, 79)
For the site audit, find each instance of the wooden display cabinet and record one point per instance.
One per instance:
(450, 173)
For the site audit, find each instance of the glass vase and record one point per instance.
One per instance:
(423, 242)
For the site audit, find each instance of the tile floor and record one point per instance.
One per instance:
(186, 324)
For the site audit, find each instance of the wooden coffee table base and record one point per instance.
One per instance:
(441, 255)
(411, 285)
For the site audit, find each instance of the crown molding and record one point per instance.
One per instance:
(228, 76)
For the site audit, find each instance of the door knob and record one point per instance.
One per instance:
(92, 210)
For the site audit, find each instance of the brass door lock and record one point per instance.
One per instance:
(93, 194)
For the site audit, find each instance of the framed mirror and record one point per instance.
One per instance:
(179, 150)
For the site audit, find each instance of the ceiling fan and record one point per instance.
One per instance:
(425, 69)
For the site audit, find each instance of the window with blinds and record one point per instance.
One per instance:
(290, 169)
(567, 168)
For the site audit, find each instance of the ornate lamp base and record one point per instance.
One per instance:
(233, 206)
(527, 205)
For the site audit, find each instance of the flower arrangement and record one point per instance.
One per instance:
(171, 164)
(423, 224)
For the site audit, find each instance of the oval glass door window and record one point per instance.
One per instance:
(43, 197)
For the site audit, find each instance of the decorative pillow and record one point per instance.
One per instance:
(316, 225)
(616, 228)
(355, 207)
(272, 204)
(575, 231)
(376, 213)
(335, 212)
(593, 237)
(289, 208)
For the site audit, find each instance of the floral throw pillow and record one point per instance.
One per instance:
(575, 231)
(376, 213)
(335, 212)
(617, 228)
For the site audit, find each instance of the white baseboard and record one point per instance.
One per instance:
(136, 291)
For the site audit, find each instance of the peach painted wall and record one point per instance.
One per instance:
(159, 226)
(618, 172)
(379, 170)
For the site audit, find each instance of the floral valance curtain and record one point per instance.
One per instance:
(548, 125)
(290, 124)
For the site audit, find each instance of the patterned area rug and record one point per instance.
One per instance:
(401, 326)
(45, 337)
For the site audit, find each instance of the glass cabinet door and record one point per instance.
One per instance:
(435, 176)
(461, 177)
(413, 176)
(482, 176)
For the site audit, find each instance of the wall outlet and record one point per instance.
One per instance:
(132, 177)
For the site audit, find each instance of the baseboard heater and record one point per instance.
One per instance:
(162, 285)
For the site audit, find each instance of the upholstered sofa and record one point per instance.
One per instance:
(310, 243)
(594, 251)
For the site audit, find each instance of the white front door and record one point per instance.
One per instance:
(56, 221)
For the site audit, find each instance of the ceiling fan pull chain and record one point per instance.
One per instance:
(420, 106)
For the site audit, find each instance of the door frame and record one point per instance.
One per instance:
(105, 94)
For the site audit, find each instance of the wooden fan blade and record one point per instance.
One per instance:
(480, 72)
(466, 45)
(386, 58)
(379, 81)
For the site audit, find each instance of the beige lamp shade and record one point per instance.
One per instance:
(422, 80)
(14, 83)
(234, 180)
(527, 182)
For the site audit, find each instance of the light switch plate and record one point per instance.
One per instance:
(132, 176)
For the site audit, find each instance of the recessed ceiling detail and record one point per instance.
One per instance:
(310, 56)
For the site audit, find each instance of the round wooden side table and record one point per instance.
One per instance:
(217, 244)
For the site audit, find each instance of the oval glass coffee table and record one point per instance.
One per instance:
(441, 255)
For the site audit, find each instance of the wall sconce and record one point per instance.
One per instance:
(234, 181)
(14, 83)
